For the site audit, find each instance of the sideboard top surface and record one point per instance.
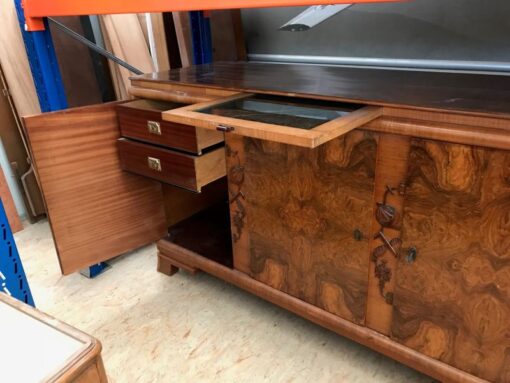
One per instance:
(472, 93)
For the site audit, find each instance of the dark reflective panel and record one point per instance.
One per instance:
(286, 111)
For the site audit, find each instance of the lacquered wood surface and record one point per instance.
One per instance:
(176, 168)
(463, 92)
(134, 117)
(301, 218)
(96, 210)
(453, 302)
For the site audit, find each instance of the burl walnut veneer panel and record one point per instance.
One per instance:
(96, 210)
(301, 217)
(453, 302)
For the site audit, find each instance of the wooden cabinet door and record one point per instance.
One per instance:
(301, 217)
(452, 302)
(96, 210)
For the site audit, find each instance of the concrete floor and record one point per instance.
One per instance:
(192, 329)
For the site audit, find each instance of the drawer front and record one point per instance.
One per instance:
(147, 125)
(168, 166)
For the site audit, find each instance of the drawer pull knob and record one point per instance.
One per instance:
(154, 163)
(154, 127)
(358, 235)
(224, 128)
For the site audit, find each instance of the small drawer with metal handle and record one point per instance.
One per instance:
(141, 120)
(172, 167)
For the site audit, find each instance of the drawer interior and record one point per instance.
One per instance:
(152, 105)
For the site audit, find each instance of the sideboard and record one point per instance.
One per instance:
(375, 203)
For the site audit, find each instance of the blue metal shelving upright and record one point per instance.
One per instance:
(13, 280)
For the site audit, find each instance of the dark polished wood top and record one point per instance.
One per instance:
(432, 90)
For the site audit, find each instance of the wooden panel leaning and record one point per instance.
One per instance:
(452, 294)
(96, 211)
(301, 218)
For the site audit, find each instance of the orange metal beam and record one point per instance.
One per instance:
(36, 9)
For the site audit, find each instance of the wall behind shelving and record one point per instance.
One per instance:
(475, 30)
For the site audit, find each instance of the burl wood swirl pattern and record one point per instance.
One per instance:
(301, 208)
(453, 302)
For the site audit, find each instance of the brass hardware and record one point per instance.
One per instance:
(154, 127)
(402, 188)
(390, 244)
(383, 273)
(154, 163)
(357, 234)
(224, 128)
(412, 253)
(385, 214)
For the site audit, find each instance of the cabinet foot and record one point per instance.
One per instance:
(170, 266)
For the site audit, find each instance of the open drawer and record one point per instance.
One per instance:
(288, 120)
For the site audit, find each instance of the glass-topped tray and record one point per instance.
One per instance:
(288, 120)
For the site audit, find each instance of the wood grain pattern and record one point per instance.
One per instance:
(472, 93)
(184, 90)
(179, 169)
(460, 130)
(301, 210)
(360, 334)
(453, 302)
(134, 116)
(96, 210)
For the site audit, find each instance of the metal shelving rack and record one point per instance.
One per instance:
(13, 280)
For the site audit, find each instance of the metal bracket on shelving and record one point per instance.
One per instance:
(95, 270)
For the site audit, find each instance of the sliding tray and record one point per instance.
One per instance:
(288, 120)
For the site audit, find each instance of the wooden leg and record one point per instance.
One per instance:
(165, 266)
(170, 266)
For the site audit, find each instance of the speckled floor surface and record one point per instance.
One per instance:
(156, 328)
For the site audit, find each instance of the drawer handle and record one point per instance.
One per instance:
(154, 127)
(154, 163)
